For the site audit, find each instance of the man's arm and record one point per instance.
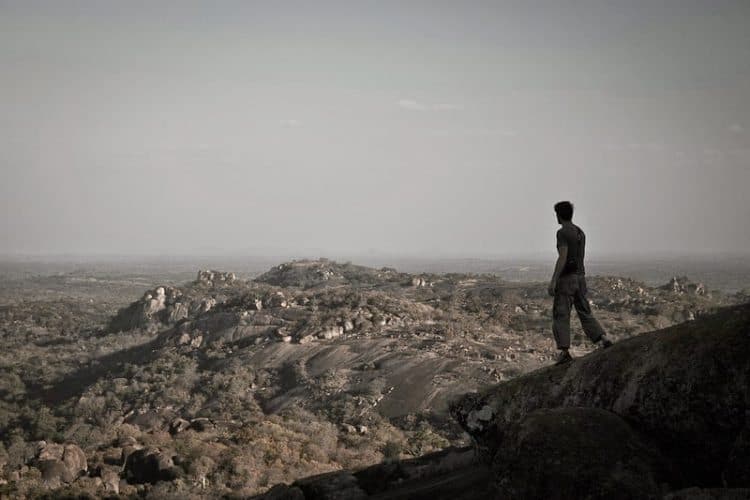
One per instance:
(562, 256)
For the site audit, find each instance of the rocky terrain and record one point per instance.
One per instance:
(659, 415)
(228, 386)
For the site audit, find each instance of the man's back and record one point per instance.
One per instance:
(574, 238)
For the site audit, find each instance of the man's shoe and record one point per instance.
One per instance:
(563, 357)
(606, 343)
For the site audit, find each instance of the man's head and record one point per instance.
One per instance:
(564, 211)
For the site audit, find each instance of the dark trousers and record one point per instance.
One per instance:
(570, 292)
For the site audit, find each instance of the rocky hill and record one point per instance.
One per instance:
(225, 386)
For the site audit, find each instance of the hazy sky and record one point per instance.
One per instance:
(427, 128)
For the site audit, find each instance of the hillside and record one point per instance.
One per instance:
(663, 414)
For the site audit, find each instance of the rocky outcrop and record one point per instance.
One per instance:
(684, 390)
(212, 278)
(162, 305)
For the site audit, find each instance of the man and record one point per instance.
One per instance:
(568, 285)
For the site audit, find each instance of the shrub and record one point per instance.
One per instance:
(392, 450)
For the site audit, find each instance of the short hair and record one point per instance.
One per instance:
(564, 210)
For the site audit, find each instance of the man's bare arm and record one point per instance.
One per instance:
(562, 256)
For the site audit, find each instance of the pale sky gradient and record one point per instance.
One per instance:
(410, 127)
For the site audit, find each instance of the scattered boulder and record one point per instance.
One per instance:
(151, 420)
(110, 479)
(202, 424)
(331, 332)
(149, 465)
(306, 339)
(682, 285)
(418, 282)
(178, 425)
(204, 305)
(275, 300)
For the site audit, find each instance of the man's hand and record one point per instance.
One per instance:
(562, 254)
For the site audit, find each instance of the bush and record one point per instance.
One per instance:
(392, 450)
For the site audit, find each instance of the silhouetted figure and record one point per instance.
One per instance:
(568, 285)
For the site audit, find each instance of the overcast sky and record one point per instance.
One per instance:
(414, 128)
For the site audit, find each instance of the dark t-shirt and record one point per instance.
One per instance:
(572, 237)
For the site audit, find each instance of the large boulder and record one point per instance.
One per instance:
(60, 463)
(149, 465)
(685, 388)
(567, 453)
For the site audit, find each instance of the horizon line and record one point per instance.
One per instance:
(351, 256)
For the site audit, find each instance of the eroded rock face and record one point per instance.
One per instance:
(685, 388)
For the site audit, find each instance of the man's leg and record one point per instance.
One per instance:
(561, 306)
(591, 326)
